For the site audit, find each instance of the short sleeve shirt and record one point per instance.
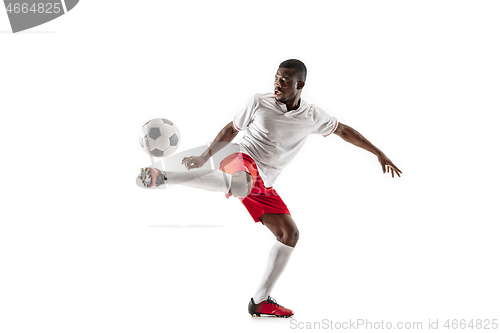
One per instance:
(273, 135)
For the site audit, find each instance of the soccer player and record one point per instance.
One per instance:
(276, 126)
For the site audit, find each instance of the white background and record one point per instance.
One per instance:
(82, 249)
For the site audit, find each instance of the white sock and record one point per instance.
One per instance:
(216, 181)
(278, 258)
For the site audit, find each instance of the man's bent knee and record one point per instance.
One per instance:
(241, 184)
(283, 227)
(289, 238)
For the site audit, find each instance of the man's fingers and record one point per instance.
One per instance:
(185, 161)
(191, 165)
(397, 170)
(388, 166)
(394, 169)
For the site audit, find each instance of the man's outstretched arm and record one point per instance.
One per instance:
(225, 136)
(350, 135)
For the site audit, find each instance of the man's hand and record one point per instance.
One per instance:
(226, 135)
(388, 165)
(193, 162)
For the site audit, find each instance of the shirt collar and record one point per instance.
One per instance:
(283, 108)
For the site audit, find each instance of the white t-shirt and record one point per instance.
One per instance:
(273, 135)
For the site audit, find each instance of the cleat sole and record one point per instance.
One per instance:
(146, 178)
(277, 316)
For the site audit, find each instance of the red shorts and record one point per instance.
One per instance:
(261, 199)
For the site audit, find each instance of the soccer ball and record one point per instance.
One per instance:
(160, 137)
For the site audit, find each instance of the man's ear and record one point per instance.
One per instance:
(300, 85)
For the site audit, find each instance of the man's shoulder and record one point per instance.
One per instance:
(264, 100)
(264, 96)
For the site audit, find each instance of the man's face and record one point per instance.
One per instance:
(286, 85)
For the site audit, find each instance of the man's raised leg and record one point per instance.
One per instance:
(238, 184)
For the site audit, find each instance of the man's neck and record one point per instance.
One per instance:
(293, 105)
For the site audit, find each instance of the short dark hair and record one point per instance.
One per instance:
(298, 66)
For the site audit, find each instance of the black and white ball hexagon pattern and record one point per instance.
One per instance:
(160, 138)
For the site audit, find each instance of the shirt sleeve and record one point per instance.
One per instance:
(324, 124)
(243, 118)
